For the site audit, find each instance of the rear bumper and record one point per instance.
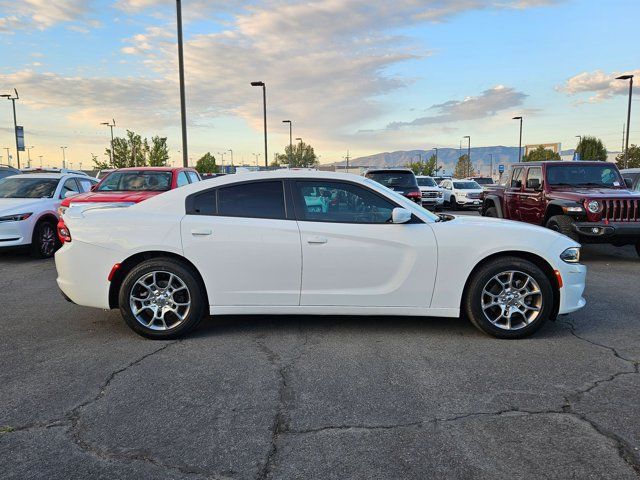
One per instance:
(614, 232)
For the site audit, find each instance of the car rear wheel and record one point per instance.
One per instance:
(162, 299)
(562, 224)
(453, 203)
(44, 242)
(509, 298)
(491, 212)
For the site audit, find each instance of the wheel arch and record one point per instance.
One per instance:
(129, 263)
(492, 201)
(552, 210)
(46, 216)
(537, 260)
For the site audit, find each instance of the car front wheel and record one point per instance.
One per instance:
(509, 298)
(162, 299)
(564, 225)
(45, 240)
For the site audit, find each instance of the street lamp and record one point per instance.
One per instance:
(15, 122)
(64, 158)
(222, 159)
(579, 137)
(626, 142)
(436, 149)
(290, 139)
(110, 125)
(257, 155)
(28, 149)
(520, 143)
(264, 111)
(468, 155)
(183, 107)
(231, 151)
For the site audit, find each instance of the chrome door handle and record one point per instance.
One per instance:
(201, 232)
(317, 239)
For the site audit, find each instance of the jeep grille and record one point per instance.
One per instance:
(621, 210)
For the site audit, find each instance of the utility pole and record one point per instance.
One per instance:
(64, 158)
(110, 125)
(347, 159)
(8, 156)
(257, 155)
(15, 122)
(520, 142)
(290, 140)
(231, 151)
(491, 155)
(264, 112)
(626, 142)
(29, 156)
(183, 107)
(40, 157)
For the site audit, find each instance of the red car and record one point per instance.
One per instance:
(130, 185)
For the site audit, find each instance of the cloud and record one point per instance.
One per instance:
(601, 85)
(487, 104)
(43, 13)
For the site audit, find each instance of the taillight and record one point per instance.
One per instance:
(63, 232)
(414, 195)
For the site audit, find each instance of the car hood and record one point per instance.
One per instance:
(582, 193)
(502, 227)
(110, 197)
(12, 205)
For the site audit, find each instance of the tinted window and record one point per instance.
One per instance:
(204, 204)
(193, 176)
(483, 181)
(534, 178)
(182, 179)
(322, 201)
(132, 181)
(426, 182)
(598, 175)
(27, 187)
(516, 180)
(394, 179)
(466, 185)
(257, 200)
(69, 186)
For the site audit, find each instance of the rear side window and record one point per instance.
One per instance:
(193, 176)
(256, 200)
(204, 204)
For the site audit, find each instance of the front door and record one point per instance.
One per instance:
(512, 194)
(354, 256)
(531, 198)
(245, 245)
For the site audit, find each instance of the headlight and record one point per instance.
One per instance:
(16, 218)
(594, 206)
(439, 194)
(571, 255)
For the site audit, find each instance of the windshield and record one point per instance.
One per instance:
(483, 181)
(132, 181)
(394, 179)
(426, 182)
(28, 187)
(470, 185)
(584, 175)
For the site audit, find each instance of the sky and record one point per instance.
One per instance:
(352, 75)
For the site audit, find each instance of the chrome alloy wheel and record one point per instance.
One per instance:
(47, 240)
(511, 300)
(160, 300)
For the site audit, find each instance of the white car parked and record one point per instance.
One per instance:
(461, 193)
(237, 245)
(28, 208)
(432, 196)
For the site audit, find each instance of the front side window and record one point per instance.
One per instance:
(516, 180)
(256, 200)
(534, 178)
(16, 187)
(324, 201)
(193, 176)
(69, 186)
(134, 181)
(182, 179)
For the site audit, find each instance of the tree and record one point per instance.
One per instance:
(464, 167)
(541, 154)
(99, 164)
(158, 152)
(129, 151)
(591, 148)
(207, 164)
(301, 156)
(428, 168)
(634, 158)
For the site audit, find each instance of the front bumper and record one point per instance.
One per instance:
(432, 201)
(573, 279)
(469, 202)
(613, 232)
(16, 234)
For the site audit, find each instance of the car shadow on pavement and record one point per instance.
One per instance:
(608, 253)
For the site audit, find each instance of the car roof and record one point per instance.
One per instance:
(390, 169)
(48, 175)
(560, 162)
(157, 169)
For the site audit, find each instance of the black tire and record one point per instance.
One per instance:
(564, 225)
(638, 248)
(472, 305)
(453, 203)
(195, 294)
(491, 212)
(44, 241)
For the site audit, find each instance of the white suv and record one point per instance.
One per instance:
(431, 193)
(28, 208)
(461, 193)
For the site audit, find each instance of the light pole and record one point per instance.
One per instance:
(264, 112)
(15, 122)
(8, 156)
(40, 157)
(231, 151)
(183, 106)
(491, 175)
(110, 125)
(468, 155)
(579, 137)
(28, 149)
(290, 139)
(520, 142)
(64, 158)
(436, 149)
(222, 159)
(257, 155)
(626, 142)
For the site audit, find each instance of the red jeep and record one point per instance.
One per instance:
(587, 201)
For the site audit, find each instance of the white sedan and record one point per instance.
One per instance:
(311, 243)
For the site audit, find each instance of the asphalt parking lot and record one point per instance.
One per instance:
(319, 397)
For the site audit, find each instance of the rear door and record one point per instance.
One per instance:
(245, 241)
(352, 254)
(531, 198)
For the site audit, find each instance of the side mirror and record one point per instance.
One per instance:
(70, 194)
(400, 215)
(629, 183)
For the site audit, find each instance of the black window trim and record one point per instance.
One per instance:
(298, 207)
(190, 200)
